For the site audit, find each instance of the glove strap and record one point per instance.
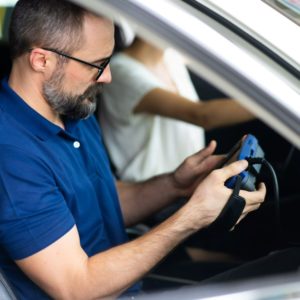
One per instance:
(231, 212)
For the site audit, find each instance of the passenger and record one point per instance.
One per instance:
(62, 227)
(159, 120)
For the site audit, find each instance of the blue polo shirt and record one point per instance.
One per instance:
(50, 180)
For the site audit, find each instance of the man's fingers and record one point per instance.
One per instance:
(250, 208)
(254, 200)
(262, 188)
(205, 152)
(233, 169)
(256, 197)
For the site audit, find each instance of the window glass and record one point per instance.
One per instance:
(2, 13)
(6, 7)
(268, 25)
(289, 8)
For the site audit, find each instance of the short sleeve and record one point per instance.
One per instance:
(33, 213)
(131, 81)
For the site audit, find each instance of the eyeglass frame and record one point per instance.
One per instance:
(100, 68)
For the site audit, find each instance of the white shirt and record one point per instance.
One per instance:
(143, 145)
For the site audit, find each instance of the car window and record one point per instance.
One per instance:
(290, 8)
(5, 11)
(266, 21)
(269, 87)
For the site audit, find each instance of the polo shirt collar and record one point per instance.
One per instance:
(18, 109)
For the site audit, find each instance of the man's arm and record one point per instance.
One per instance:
(142, 199)
(209, 114)
(64, 271)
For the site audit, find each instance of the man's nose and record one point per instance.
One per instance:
(105, 76)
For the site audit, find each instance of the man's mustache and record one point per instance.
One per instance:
(91, 93)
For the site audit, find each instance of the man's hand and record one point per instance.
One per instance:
(211, 196)
(195, 168)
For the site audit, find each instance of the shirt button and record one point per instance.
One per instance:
(76, 144)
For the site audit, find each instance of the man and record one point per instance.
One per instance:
(62, 219)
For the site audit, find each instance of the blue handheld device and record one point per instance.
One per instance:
(247, 148)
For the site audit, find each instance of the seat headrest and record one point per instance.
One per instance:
(124, 35)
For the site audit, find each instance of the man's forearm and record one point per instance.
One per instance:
(126, 264)
(140, 200)
(108, 274)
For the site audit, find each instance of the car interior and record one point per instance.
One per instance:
(280, 153)
(284, 157)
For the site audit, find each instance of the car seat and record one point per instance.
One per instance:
(6, 291)
(5, 61)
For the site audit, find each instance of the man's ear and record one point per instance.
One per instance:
(41, 60)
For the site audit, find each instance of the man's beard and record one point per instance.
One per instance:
(66, 104)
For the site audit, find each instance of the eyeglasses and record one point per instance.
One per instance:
(100, 67)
